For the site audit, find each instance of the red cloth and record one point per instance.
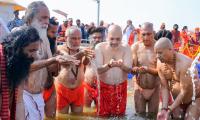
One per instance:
(131, 38)
(5, 113)
(92, 91)
(171, 99)
(66, 96)
(191, 51)
(184, 37)
(112, 99)
(48, 92)
(175, 36)
(177, 45)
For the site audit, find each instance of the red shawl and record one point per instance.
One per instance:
(6, 114)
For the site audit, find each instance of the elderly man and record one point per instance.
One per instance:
(96, 36)
(49, 93)
(113, 64)
(144, 66)
(37, 15)
(17, 52)
(69, 82)
(173, 72)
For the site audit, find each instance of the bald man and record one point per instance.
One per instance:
(172, 69)
(69, 87)
(113, 63)
(144, 67)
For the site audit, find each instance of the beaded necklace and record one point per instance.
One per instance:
(75, 73)
(172, 81)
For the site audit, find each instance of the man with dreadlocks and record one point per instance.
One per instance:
(17, 52)
(172, 69)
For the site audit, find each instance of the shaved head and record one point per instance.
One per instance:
(164, 50)
(114, 36)
(163, 43)
(147, 34)
(115, 29)
(147, 26)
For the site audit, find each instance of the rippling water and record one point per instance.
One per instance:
(89, 113)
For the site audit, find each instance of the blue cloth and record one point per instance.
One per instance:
(130, 76)
(198, 69)
(15, 23)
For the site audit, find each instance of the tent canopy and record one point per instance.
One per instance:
(14, 4)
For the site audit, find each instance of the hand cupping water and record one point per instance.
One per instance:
(89, 53)
(67, 59)
(116, 63)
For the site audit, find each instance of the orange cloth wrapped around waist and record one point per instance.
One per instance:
(48, 92)
(112, 99)
(92, 90)
(66, 96)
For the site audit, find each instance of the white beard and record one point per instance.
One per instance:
(42, 30)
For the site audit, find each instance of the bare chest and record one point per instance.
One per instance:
(146, 57)
(116, 55)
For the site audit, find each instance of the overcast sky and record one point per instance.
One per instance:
(182, 12)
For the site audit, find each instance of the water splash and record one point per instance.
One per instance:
(94, 67)
(191, 71)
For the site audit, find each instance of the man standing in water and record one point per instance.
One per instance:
(172, 69)
(17, 52)
(144, 66)
(69, 82)
(37, 15)
(96, 36)
(113, 64)
(49, 93)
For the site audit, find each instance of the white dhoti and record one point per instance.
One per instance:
(34, 106)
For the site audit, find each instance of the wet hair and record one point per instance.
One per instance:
(18, 63)
(32, 10)
(53, 21)
(93, 30)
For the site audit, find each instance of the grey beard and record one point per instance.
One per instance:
(71, 47)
